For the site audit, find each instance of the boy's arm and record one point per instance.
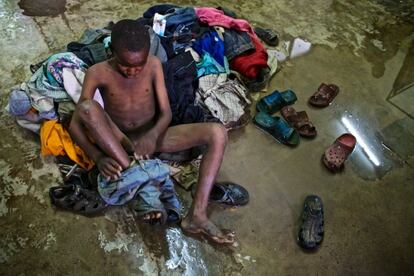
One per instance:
(90, 84)
(163, 102)
(146, 145)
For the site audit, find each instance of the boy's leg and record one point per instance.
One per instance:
(90, 118)
(182, 137)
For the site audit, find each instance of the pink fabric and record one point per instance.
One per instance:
(249, 64)
(215, 17)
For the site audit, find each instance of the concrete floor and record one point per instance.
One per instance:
(363, 47)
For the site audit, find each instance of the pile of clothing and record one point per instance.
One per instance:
(208, 57)
(210, 60)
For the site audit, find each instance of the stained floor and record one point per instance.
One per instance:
(365, 47)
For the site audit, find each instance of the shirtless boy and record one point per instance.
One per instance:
(136, 118)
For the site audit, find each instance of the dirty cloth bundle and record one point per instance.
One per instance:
(147, 181)
(225, 97)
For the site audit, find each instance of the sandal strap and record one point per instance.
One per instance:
(325, 91)
(303, 124)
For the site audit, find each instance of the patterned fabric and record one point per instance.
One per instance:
(47, 81)
(55, 64)
(207, 82)
(227, 101)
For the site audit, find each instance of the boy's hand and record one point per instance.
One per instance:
(145, 146)
(109, 168)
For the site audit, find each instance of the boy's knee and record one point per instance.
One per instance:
(87, 109)
(218, 133)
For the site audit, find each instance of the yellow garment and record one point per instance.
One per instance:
(56, 140)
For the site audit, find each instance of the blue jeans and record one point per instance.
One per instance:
(148, 181)
(177, 17)
(236, 43)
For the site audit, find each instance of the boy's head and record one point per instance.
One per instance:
(130, 45)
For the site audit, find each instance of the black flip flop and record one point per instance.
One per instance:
(227, 193)
(311, 231)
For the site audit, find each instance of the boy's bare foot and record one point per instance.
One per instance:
(152, 217)
(208, 229)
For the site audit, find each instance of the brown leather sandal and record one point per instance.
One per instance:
(336, 155)
(299, 121)
(325, 95)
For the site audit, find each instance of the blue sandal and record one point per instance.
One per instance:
(278, 128)
(275, 101)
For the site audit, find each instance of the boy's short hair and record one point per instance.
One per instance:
(128, 34)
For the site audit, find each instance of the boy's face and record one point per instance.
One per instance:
(130, 63)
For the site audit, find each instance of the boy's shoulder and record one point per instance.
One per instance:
(101, 68)
(152, 60)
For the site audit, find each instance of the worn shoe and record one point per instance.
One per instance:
(311, 231)
(227, 193)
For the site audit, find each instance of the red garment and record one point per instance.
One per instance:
(215, 17)
(249, 64)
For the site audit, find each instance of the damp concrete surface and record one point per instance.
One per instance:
(362, 46)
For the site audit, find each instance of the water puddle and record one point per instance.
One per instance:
(184, 254)
(42, 7)
(372, 159)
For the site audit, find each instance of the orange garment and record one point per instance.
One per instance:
(56, 140)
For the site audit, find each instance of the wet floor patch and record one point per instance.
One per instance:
(372, 157)
(43, 7)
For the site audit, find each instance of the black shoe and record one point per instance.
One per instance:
(269, 36)
(228, 193)
(311, 231)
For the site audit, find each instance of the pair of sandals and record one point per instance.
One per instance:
(73, 197)
(285, 130)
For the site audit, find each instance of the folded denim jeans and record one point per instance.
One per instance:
(147, 179)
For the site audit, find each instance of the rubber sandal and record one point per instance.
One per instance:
(269, 36)
(311, 231)
(299, 121)
(278, 128)
(77, 199)
(275, 101)
(227, 193)
(324, 96)
(336, 155)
